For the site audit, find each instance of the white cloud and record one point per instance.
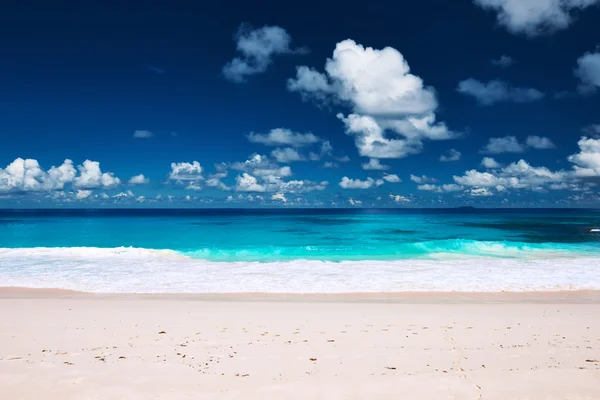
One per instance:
(276, 184)
(138, 180)
(539, 142)
(453, 155)
(347, 183)
(257, 48)
(123, 195)
(375, 165)
(248, 183)
(428, 187)
(507, 144)
(343, 159)
(588, 71)
(185, 171)
(497, 91)
(399, 199)
(142, 134)
(535, 17)
(193, 185)
(255, 161)
(91, 177)
(279, 196)
(287, 155)
(392, 178)
(517, 175)
(263, 175)
(383, 95)
(284, 137)
(330, 164)
(489, 162)
(280, 172)
(451, 187)
(26, 175)
(214, 182)
(480, 192)
(421, 179)
(587, 161)
(371, 142)
(83, 194)
(353, 202)
(440, 188)
(503, 61)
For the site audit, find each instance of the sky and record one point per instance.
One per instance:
(486, 103)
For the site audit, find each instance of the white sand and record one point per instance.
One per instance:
(56, 345)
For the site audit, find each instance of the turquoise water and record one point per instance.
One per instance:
(268, 235)
(291, 250)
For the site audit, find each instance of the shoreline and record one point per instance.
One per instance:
(542, 297)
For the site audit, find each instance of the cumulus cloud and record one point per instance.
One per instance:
(248, 183)
(24, 175)
(280, 172)
(217, 183)
(507, 144)
(91, 177)
(383, 94)
(503, 61)
(185, 171)
(399, 199)
(539, 142)
(279, 196)
(587, 161)
(453, 155)
(138, 180)
(480, 192)
(392, 178)
(347, 183)
(588, 71)
(83, 194)
(284, 137)
(262, 175)
(421, 179)
(142, 134)
(451, 187)
(357, 203)
(517, 175)
(287, 155)
(375, 165)
(490, 163)
(256, 48)
(371, 142)
(497, 91)
(123, 195)
(535, 17)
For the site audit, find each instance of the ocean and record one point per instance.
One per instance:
(300, 250)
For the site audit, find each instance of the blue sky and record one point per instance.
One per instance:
(432, 104)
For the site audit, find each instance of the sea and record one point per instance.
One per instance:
(300, 250)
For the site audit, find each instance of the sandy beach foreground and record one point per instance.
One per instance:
(61, 345)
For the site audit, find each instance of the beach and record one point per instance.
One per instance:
(68, 345)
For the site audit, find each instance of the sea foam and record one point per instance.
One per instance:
(136, 270)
